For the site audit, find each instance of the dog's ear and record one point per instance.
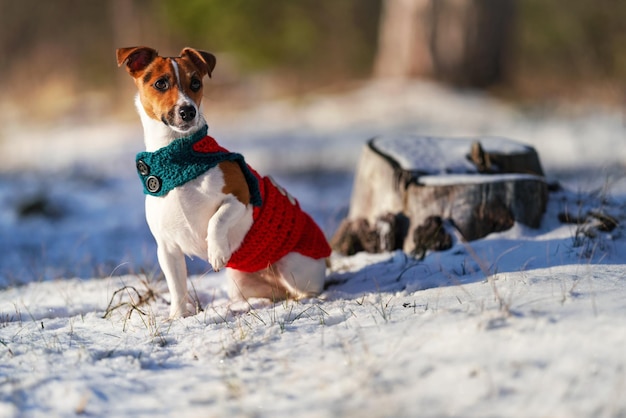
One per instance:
(137, 58)
(205, 61)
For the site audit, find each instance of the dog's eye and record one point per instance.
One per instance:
(195, 84)
(161, 84)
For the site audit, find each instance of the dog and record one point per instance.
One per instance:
(205, 201)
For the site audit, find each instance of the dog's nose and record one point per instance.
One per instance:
(187, 113)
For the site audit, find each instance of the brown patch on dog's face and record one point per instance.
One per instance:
(158, 88)
(170, 89)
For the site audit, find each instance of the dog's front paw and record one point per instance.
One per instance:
(218, 257)
(181, 311)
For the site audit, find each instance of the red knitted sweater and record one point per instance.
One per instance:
(280, 226)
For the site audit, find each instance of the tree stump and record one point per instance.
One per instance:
(406, 186)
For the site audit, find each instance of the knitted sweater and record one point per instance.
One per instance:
(280, 226)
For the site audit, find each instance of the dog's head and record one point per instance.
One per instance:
(170, 88)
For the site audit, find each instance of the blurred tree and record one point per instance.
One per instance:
(403, 40)
(67, 45)
(58, 36)
(465, 42)
(584, 39)
(332, 39)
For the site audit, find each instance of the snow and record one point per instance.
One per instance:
(450, 179)
(440, 155)
(526, 322)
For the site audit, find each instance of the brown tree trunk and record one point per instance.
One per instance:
(464, 42)
(403, 39)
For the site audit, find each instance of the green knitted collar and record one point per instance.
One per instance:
(184, 160)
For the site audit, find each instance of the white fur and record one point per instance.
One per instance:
(198, 219)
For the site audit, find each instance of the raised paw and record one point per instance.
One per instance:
(218, 257)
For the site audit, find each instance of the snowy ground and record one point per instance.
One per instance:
(521, 323)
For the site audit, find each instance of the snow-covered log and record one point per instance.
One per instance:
(406, 185)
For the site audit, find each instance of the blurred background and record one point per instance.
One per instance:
(299, 87)
(58, 56)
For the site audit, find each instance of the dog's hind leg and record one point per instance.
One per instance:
(293, 276)
(301, 275)
(261, 284)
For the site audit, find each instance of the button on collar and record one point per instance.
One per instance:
(153, 184)
(143, 168)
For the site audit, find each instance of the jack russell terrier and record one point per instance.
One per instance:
(204, 201)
